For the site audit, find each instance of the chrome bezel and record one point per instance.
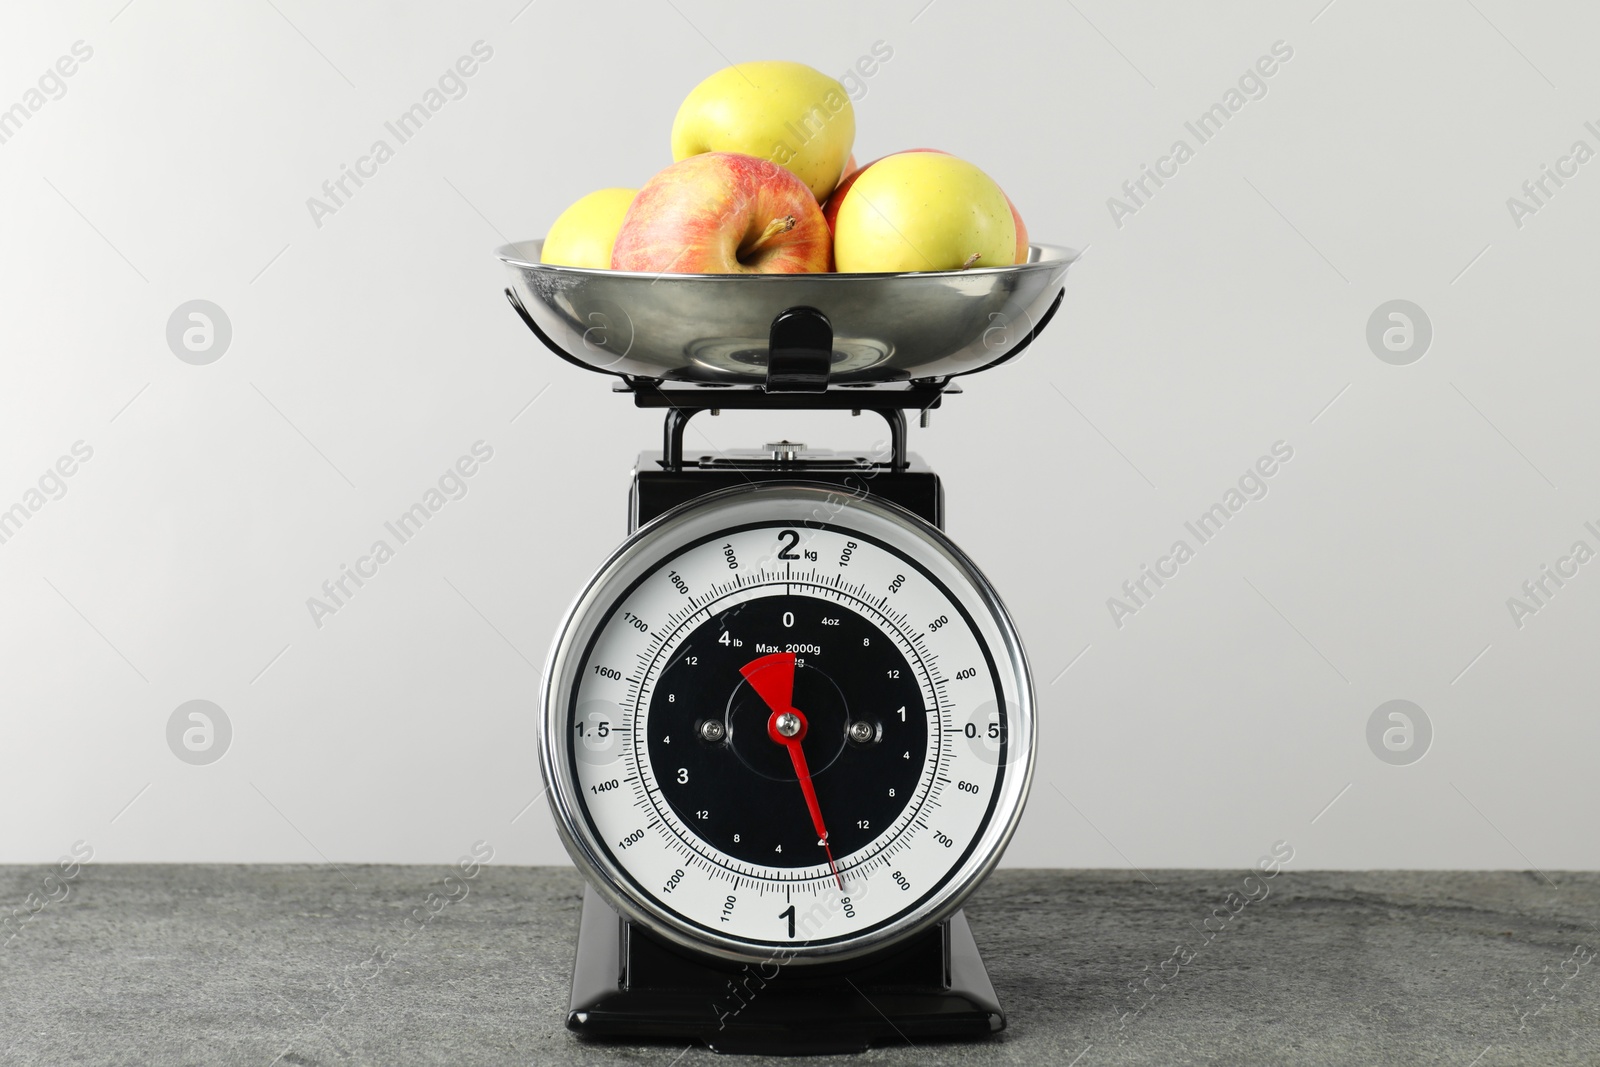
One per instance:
(786, 503)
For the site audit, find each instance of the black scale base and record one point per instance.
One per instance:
(629, 985)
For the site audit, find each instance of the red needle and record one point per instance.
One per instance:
(772, 677)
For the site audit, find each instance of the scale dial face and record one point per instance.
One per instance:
(786, 722)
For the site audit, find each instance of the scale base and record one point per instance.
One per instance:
(628, 984)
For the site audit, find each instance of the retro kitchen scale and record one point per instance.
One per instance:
(787, 727)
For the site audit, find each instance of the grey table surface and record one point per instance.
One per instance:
(317, 965)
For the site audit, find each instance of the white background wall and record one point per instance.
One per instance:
(1227, 314)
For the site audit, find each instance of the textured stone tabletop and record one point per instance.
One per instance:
(316, 965)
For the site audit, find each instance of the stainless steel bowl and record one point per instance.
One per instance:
(714, 328)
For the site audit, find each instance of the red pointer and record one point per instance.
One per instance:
(772, 677)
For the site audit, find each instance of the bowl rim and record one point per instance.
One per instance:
(524, 255)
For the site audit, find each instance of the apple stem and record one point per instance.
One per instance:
(775, 227)
(970, 260)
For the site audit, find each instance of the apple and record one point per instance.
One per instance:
(920, 211)
(583, 234)
(724, 213)
(830, 207)
(1022, 232)
(830, 210)
(788, 113)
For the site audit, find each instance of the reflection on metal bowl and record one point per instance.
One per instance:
(714, 328)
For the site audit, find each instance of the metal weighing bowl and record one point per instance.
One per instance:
(714, 328)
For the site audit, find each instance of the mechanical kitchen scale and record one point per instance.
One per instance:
(788, 726)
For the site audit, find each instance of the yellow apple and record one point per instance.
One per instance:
(583, 234)
(785, 113)
(919, 211)
(830, 210)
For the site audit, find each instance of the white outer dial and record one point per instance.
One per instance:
(888, 568)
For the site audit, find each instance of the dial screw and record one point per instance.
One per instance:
(861, 731)
(788, 724)
(712, 730)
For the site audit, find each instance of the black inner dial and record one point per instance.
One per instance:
(734, 785)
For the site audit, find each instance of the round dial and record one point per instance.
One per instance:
(783, 720)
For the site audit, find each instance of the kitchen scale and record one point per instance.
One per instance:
(788, 726)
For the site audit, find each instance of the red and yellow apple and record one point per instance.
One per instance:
(787, 113)
(724, 213)
(830, 210)
(583, 234)
(920, 211)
